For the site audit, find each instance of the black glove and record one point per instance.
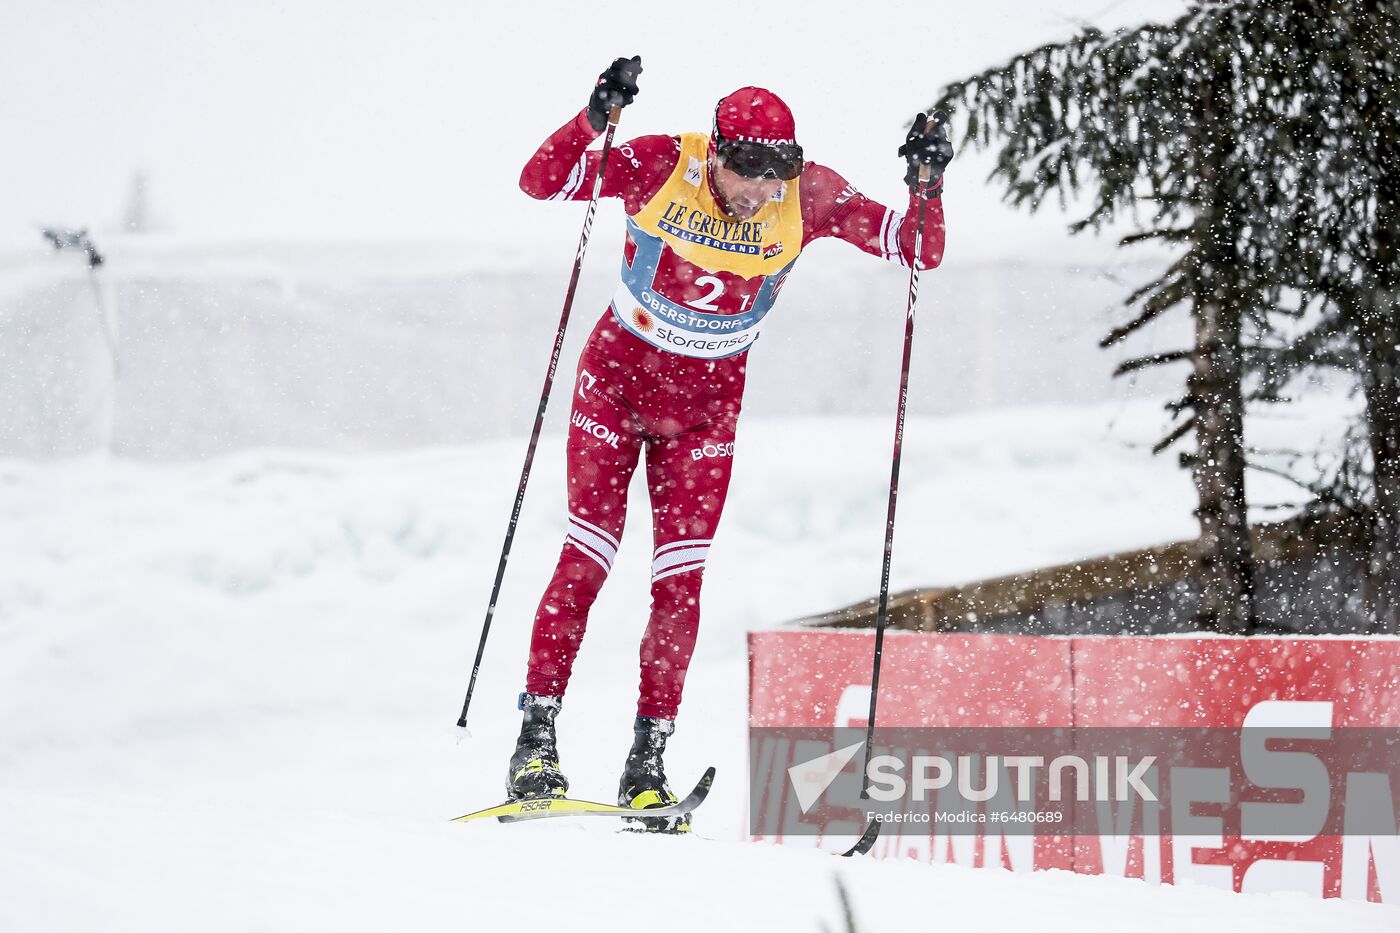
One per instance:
(615, 88)
(927, 144)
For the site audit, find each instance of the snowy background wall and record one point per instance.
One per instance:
(359, 349)
(316, 237)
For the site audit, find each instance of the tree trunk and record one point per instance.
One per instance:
(1227, 578)
(1380, 345)
(1226, 563)
(1378, 332)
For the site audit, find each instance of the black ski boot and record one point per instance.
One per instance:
(534, 768)
(643, 782)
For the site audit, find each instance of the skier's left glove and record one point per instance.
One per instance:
(616, 87)
(927, 144)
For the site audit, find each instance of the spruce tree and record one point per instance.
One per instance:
(1260, 139)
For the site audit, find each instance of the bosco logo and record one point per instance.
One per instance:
(712, 450)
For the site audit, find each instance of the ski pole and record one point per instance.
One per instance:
(63, 239)
(867, 838)
(79, 240)
(539, 414)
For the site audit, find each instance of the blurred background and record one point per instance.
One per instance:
(314, 236)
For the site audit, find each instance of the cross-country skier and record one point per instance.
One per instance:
(715, 224)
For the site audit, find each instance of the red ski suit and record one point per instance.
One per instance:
(663, 370)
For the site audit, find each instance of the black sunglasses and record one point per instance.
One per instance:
(760, 160)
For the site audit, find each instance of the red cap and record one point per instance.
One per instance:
(755, 114)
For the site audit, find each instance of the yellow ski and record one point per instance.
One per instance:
(535, 808)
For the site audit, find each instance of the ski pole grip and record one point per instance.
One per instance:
(615, 115)
(935, 120)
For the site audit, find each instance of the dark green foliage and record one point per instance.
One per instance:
(1262, 139)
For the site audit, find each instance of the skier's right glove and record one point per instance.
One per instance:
(927, 144)
(615, 88)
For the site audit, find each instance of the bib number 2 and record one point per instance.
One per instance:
(706, 302)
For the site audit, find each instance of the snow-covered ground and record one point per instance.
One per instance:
(227, 687)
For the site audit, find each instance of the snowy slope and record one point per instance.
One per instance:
(227, 687)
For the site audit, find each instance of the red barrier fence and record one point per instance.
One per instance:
(820, 679)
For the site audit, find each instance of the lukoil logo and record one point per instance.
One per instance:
(589, 426)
